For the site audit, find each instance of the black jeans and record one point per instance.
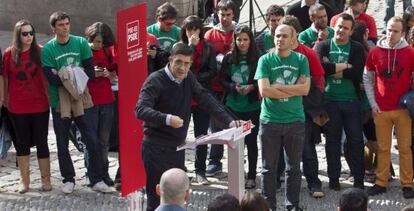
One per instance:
(201, 120)
(290, 137)
(62, 127)
(251, 140)
(158, 159)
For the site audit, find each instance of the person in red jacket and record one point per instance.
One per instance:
(221, 38)
(101, 41)
(26, 98)
(387, 77)
(356, 9)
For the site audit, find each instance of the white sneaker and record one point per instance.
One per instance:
(102, 187)
(87, 182)
(68, 187)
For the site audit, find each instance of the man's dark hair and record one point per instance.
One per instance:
(353, 2)
(275, 10)
(347, 17)
(182, 49)
(57, 16)
(227, 5)
(224, 202)
(292, 21)
(353, 199)
(166, 11)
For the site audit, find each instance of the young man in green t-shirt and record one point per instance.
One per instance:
(283, 79)
(164, 29)
(265, 41)
(319, 30)
(343, 61)
(62, 51)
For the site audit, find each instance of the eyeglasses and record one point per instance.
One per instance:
(25, 34)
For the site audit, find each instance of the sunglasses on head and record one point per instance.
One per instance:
(25, 34)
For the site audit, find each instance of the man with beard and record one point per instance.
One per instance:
(356, 9)
(343, 60)
(265, 40)
(387, 77)
(300, 9)
(283, 80)
(319, 30)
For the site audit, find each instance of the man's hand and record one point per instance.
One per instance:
(152, 52)
(236, 123)
(338, 75)
(194, 39)
(176, 121)
(375, 111)
(301, 80)
(323, 34)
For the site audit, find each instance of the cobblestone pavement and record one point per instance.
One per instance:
(85, 199)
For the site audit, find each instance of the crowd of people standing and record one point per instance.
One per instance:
(320, 68)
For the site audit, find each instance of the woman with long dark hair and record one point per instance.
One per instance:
(238, 69)
(204, 67)
(26, 97)
(101, 40)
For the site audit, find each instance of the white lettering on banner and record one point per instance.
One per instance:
(134, 54)
(132, 34)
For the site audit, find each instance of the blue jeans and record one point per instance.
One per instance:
(61, 127)
(310, 158)
(101, 118)
(389, 9)
(274, 136)
(346, 115)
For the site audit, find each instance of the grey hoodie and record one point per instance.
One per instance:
(369, 76)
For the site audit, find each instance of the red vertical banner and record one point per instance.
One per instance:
(132, 71)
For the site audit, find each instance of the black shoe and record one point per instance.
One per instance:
(408, 192)
(334, 185)
(359, 184)
(201, 179)
(278, 184)
(118, 186)
(293, 208)
(108, 181)
(375, 190)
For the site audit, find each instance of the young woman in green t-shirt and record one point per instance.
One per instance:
(238, 70)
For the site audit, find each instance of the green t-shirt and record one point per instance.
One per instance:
(57, 56)
(309, 36)
(166, 39)
(240, 103)
(339, 89)
(283, 71)
(269, 42)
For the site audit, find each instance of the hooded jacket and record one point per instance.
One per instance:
(388, 73)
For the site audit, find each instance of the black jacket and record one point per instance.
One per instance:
(208, 67)
(229, 85)
(161, 96)
(356, 59)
